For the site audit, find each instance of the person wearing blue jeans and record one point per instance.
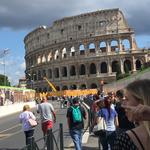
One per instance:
(76, 128)
(76, 136)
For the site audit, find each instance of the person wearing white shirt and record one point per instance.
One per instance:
(24, 119)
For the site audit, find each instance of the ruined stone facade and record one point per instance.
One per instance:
(78, 52)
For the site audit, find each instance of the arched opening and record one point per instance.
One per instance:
(82, 70)
(73, 87)
(92, 68)
(49, 57)
(82, 49)
(138, 64)
(102, 46)
(49, 73)
(114, 46)
(72, 71)
(72, 51)
(43, 59)
(125, 44)
(45, 90)
(56, 55)
(92, 47)
(83, 86)
(93, 86)
(64, 87)
(103, 67)
(116, 67)
(64, 71)
(56, 72)
(64, 53)
(127, 66)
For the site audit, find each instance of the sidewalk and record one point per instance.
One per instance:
(14, 108)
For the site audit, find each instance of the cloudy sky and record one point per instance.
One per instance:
(19, 17)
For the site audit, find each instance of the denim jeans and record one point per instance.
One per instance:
(29, 135)
(76, 136)
(108, 139)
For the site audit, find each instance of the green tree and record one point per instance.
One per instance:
(126, 69)
(4, 80)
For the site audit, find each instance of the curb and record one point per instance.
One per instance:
(14, 108)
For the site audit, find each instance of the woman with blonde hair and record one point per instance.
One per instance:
(137, 97)
(24, 119)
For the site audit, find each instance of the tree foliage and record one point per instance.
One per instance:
(4, 80)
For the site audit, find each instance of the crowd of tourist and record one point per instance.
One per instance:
(125, 113)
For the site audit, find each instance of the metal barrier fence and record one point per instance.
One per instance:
(49, 141)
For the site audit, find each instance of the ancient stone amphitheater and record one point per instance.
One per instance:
(80, 51)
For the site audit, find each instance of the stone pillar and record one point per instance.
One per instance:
(122, 66)
(109, 67)
(133, 64)
(120, 45)
(108, 48)
(68, 72)
(97, 69)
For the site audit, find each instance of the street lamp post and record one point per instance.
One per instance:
(3, 53)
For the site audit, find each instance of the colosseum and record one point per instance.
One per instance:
(79, 52)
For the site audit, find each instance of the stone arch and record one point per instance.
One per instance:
(82, 49)
(43, 73)
(114, 46)
(56, 56)
(72, 53)
(116, 66)
(138, 64)
(73, 87)
(49, 57)
(72, 70)
(45, 89)
(102, 46)
(56, 72)
(125, 44)
(82, 70)
(92, 48)
(92, 68)
(127, 66)
(64, 71)
(64, 53)
(93, 86)
(39, 60)
(103, 67)
(83, 86)
(65, 87)
(43, 59)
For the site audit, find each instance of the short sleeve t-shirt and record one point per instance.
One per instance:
(110, 121)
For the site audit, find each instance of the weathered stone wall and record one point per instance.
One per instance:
(80, 51)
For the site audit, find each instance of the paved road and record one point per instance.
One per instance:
(12, 137)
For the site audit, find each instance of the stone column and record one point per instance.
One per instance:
(122, 66)
(108, 48)
(109, 67)
(120, 45)
(133, 64)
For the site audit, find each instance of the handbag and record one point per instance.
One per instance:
(100, 128)
(32, 122)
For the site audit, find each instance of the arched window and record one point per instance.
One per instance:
(92, 69)
(103, 67)
(82, 70)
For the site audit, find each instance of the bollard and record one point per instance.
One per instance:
(61, 137)
(49, 141)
